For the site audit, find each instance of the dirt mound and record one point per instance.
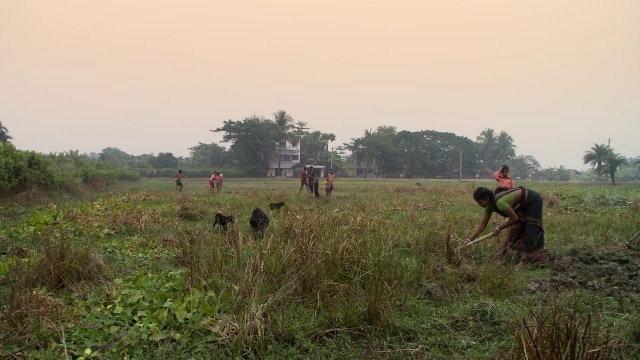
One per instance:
(613, 273)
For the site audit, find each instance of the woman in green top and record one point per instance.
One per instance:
(523, 208)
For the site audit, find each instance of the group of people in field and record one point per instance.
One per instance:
(310, 179)
(521, 207)
(215, 182)
(523, 210)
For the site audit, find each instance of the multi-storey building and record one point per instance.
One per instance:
(289, 157)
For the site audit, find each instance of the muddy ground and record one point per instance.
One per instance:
(611, 272)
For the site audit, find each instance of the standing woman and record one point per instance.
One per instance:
(523, 210)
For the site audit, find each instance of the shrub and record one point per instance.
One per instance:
(21, 170)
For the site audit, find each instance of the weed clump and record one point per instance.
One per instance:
(190, 211)
(556, 332)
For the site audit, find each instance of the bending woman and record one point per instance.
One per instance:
(523, 208)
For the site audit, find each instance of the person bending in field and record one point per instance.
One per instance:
(503, 179)
(178, 176)
(523, 208)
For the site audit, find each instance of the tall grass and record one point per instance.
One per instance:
(372, 272)
(559, 330)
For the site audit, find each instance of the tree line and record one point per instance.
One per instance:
(381, 152)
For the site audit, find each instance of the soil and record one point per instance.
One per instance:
(609, 272)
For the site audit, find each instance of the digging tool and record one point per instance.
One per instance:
(462, 247)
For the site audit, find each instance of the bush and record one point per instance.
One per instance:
(21, 170)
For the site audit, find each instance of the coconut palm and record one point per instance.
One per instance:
(595, 157)
(284, 123)
(612, 162)
(4, 136)
(487, 142)
(505, 147)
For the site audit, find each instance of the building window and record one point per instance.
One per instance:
(294, 143)
(295, 157)
(283, 143)
(286, 157)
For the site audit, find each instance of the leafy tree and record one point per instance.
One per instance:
(524, 166)
(595, 157)
(363, 149)
(383, 148)
(164, 161)
(284, 123)
(612, 162)
(444, 153)
(409, 148)
(4, 134)
(314, 148)
(117, 157)
(208, 155)
(253, 142)
(299, 130)
(423, 153)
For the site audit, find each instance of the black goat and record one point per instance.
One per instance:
(276, 206)
(223, 221)
(258, 222)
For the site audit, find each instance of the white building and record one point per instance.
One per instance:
(289, 157)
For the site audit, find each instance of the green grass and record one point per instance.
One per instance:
(140, 272)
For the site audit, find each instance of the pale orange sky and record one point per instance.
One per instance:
(154, 76)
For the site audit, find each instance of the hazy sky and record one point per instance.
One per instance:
(149, 76)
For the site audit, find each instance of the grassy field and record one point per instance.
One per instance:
(139, 272)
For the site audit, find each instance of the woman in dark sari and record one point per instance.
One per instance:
(523, 210)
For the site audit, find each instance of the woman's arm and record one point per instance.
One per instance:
(480, 228)
(513, 218)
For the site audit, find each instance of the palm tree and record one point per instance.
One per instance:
(595, 157)
(612, 162)
(487, 142)
(284, 123)
(505, 147)
(4, 134)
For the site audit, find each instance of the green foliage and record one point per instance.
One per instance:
(595, 157)
(524, 167)
(427, 154)
(84, 170)
(21, 170)
(366, 274)
(553, 334)
(164, 160)
(4, 134)
(208, 155)
(314, 147)
(254, 141)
